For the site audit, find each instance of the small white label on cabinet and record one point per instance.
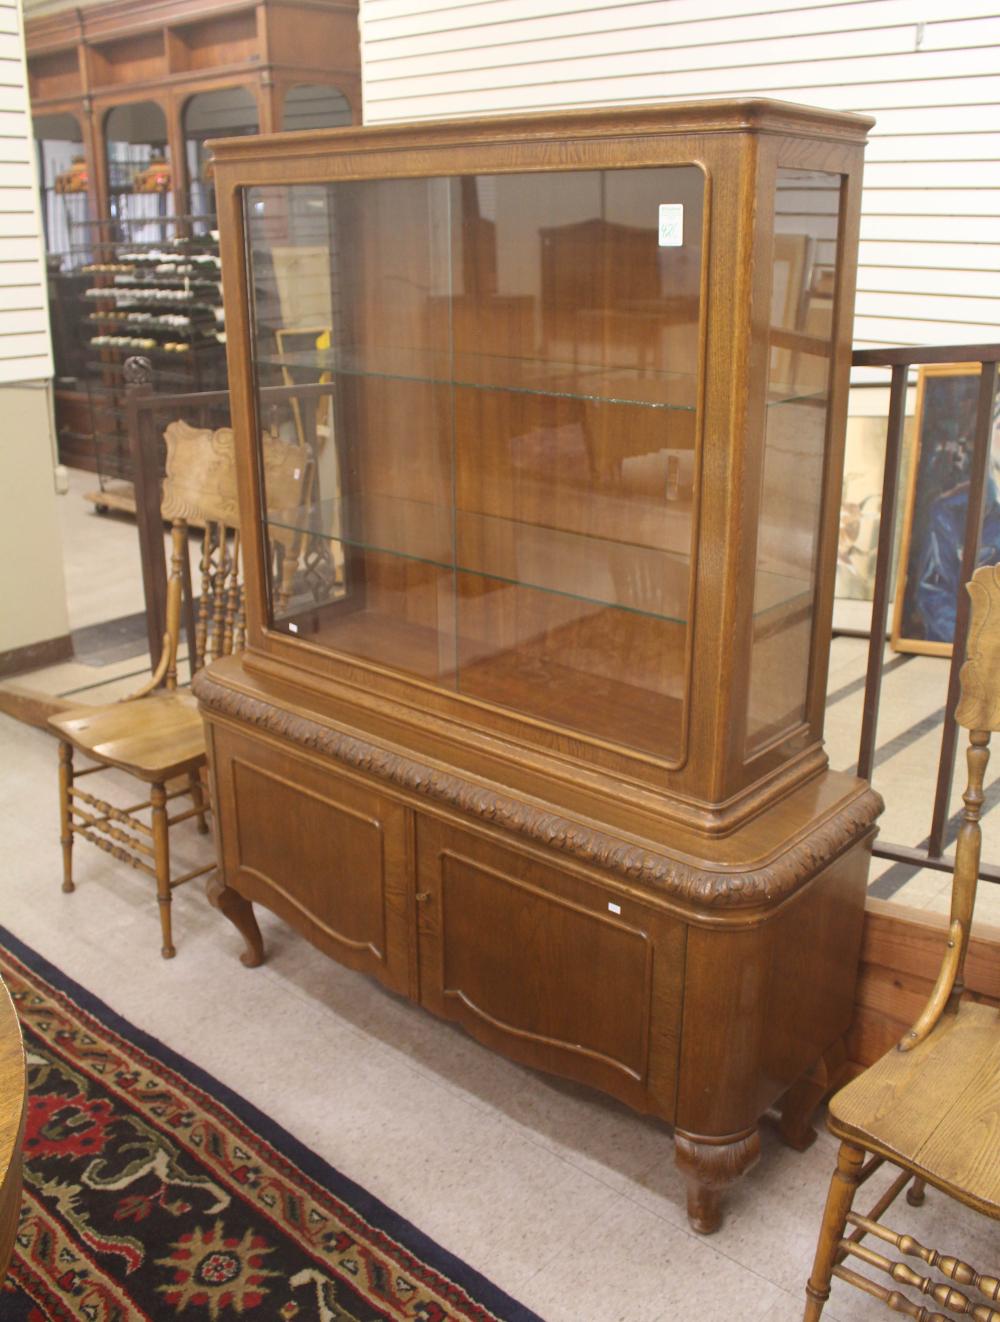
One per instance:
(671, 224)
(292, 628)
(614, 908)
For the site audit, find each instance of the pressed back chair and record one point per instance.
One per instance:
(931, 1106)
(156, 734)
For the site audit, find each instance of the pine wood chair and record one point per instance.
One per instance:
(929, 1107)
(156, 734)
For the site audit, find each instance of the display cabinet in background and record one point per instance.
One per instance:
(124, 95)
(529, 724)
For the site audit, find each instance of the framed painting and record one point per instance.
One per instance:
(929, 577)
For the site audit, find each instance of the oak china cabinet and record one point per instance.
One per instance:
(529, 724)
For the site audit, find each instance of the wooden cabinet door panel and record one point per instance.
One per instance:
(534, 962)
(329, 856)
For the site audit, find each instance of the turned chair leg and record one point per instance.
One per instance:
(66, 811)
(843, 1187)
(161, 853)
(198, 799)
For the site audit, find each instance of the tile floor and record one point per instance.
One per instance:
(563, 1197)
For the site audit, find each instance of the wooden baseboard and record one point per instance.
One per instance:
(19, 660)
(901, 953)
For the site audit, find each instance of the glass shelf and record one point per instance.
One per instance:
(530, 376)
(629, 576)
(591, 383)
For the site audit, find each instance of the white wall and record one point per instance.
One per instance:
(32, 587)
(32, 584)
(928, 71)
(25, 348)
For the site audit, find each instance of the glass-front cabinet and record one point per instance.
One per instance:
(570, 421)
(539, 433)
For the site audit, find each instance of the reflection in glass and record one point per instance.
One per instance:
(496, 378)
(807, 218)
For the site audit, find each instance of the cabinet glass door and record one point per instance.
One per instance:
(490, 384)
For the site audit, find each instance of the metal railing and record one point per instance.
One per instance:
(931, 853)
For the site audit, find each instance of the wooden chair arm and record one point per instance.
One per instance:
(157, 677)
(941, 992)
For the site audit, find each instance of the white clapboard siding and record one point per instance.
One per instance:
(19, 225)
(920, 259)
(965, 284)
(405, 20)
(928, 228)
(26, 321)
(25, 342)
(916, 150)
(929, 73)
(10, 96)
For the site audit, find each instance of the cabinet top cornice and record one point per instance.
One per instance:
(754, 115)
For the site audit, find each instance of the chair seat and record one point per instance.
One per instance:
(935, 1108)
(154, 738)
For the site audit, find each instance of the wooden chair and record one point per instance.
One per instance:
(929, 1107)
(156, 734)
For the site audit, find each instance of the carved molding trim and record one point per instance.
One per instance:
(716, 1163)
(735, 889)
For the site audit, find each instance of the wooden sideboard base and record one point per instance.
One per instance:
(704, 992)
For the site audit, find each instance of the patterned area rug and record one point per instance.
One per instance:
(151, 1191)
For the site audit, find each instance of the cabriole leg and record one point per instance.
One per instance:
(240, 913)
(800, 1102)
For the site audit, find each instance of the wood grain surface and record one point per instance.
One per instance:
(13, 1109)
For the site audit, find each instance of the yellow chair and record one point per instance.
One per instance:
(931, 1106)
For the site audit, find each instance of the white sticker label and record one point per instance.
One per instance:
(671, 224)
(292, 628)
(615, 908)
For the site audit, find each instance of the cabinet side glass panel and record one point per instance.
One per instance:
(493, 383)
(804, 278)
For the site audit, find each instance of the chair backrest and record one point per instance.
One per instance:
(978, 711)
(199, 489)
(979, 705)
